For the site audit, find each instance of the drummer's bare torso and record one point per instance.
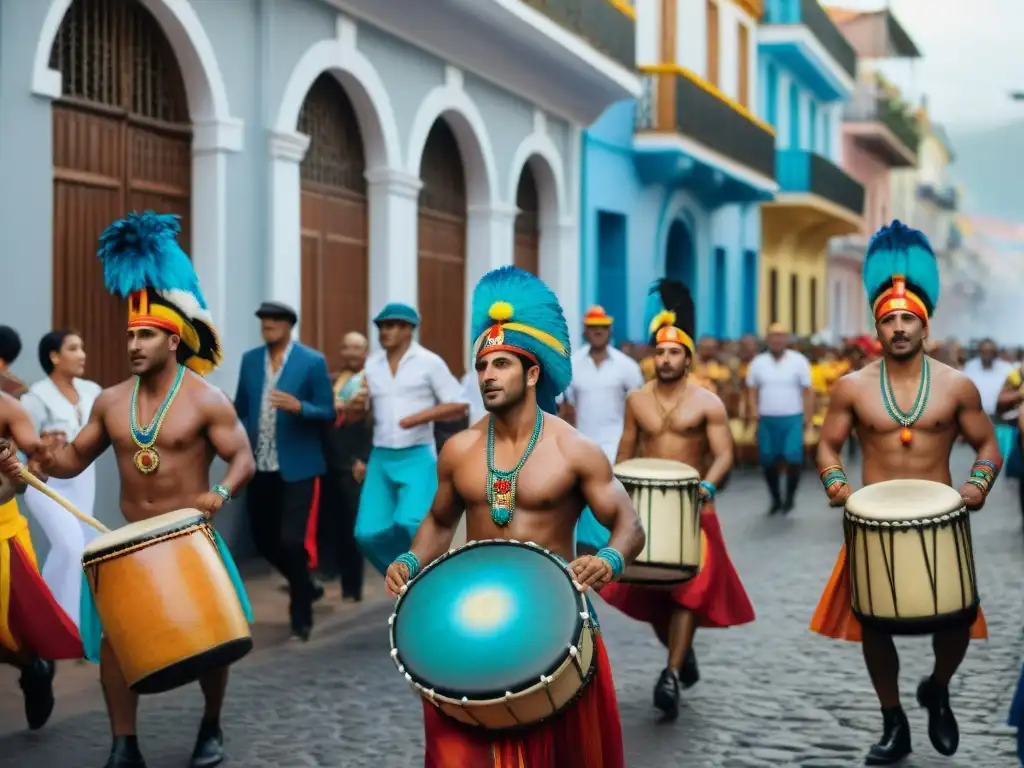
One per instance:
(885, 455)
(548, 500)
(674, 429)
(185, 452)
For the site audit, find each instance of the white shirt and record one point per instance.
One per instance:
(598, 393)
(780, 383)
(471, 391)
(421, 381)
(50, 411)
(989, 381)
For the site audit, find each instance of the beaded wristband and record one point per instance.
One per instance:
(411, 562)
(980, 484)
(832, 475)
(710, 488)
(614, 559)
(223, 491)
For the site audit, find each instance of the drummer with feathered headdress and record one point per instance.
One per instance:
(522, 473)
(165, 424)
(676, 419)
(908, 411)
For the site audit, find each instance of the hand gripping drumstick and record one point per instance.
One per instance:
(46, 490)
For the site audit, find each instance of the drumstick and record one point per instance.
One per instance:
(46, 490)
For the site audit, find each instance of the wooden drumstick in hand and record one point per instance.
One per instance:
(46, 490)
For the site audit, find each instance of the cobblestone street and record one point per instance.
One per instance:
(772, 694)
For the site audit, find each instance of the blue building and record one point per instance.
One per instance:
(671, 183)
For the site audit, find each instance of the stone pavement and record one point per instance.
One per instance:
(772, 693)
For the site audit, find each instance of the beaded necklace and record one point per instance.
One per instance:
(908, 418)
(501, 483)
(147, 459)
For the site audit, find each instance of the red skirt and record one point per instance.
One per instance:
(587, 735)
(716, 594)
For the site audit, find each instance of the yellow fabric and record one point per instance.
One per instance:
(340, 382)
(12, 526)
(1015, 379)
(647, 367)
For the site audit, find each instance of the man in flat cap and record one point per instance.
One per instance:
(284, 400)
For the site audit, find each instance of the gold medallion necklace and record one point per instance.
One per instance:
(147, 459)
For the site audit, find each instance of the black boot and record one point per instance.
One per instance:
(666, 693)
(37, 686)
(771, 476)
(689, 675)
(942, 727)
(895, 742)
(792, 481)
(209, 750)
(125, 753)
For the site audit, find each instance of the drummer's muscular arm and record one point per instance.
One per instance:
(630, 431)
(605, 495)
(228, 438)
(838, 423)
(974, 423)
(719, 441)
(434, 536)
(19, 425)
(73, 458)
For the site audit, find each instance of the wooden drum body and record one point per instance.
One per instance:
(495, 635)
(666, 494)
(911, 560)
(166, 602)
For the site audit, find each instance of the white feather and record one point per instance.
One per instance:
(188, 304)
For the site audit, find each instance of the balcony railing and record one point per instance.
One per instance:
(890, 113)
(812, 15)
(676, 101)
(803, 171)
(944, 196)
(608, 25)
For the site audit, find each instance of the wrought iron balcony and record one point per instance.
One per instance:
(871, 110)
(944, 196)
(677, 101)
(811, 15)
(801, 171)
(608, 25)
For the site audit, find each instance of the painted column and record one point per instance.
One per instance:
(490, 243)
(394, 217)
(284, 268)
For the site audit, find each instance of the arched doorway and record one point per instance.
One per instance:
(680, 261)
(335, 264)
(122, 141)
(442, 248)
(527, 246)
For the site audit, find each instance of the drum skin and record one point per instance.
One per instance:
(495, 635)
(911, 560)
(666, 495)
(166, 602)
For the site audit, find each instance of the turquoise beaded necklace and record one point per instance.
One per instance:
(501, 483)
(147, 459)
(906, 418)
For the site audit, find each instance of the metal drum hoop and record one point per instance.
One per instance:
(643, 482)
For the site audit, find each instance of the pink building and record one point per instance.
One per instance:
(879, 133)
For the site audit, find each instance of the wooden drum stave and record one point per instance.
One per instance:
(666, 495)
(456, 635)
(166, 602)
(910, 557)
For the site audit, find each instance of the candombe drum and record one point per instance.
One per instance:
(166, 602)
(910, 557)
(495, 635)
(666, 495)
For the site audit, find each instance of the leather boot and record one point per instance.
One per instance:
(895, 742)
(209, 749)
(125, 753)
(37, 687)
(666, 693)
(943, 730)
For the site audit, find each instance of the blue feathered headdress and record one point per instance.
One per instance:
(669, 312)
(142, 262)
(515, 311)
(900, 272)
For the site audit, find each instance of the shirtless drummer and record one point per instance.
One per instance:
(907, 432)
(522, 359)
(165, 466)
(672, 418)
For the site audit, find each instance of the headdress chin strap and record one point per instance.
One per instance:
(899, 299)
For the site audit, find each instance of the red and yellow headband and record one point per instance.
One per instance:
(493, 339)
(143, 313)
(899, 299)
(664, 329)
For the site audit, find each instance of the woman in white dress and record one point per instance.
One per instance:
(60, 406)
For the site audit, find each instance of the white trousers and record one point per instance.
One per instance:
(68, 537)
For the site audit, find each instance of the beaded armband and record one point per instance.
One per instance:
(832, 475)
(223, 491)
(411, 562)
(710, 488)
(983, 474)
(614, 559)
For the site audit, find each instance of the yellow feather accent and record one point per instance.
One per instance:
(662, 318)
(501, 311)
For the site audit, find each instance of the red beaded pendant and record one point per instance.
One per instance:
(906, 436)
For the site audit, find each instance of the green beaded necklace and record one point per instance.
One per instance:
(501, 483)
(906, 418)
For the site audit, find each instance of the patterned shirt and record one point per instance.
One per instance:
(266, 445)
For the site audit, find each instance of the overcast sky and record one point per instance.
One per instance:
(973, 56)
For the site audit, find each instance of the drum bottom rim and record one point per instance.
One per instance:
(189, 670)
(922, 625)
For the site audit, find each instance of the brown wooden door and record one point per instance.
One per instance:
(335, 237)
(527, 253)
(442, 248)
(122, 141)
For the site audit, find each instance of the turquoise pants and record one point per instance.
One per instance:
(397, 493)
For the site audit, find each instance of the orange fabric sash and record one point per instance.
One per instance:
(834, 615)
